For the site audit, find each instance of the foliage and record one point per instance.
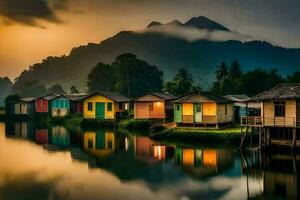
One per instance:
(101, 78)
(182, 83)
(233, 81)
(5, 88)
(74, 90)
(294, 78)
(133, 124)
(91, 124)
(127, 74)
(10, 98)
(30, 89)
(209, 137)
(136, 77)
(56, 89)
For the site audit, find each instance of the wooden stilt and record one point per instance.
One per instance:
(294, 137)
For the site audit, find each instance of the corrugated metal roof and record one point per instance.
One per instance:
(237, 97)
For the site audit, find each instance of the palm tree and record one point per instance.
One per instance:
(235, 71)
(222, 73)
(184, 82)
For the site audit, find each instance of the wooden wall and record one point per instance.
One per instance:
(142, 110)
(222, 117)
(269, 114)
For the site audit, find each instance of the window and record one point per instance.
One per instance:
(151, 107)
(109, 106)
(225, 109)
(198, 109)
(90, 106)
(279, 108)
(178, 107)
(90, 144)
(120, 106)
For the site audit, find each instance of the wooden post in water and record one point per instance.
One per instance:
(294, 137)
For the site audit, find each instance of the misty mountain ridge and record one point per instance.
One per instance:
(200, 22)
(199, 45)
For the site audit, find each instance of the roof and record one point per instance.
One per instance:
(196, 97)
(279, 92)
(237, 97)
(28, 100)
(111, 95)
(49, 96)
(163, 96)
(76, 97)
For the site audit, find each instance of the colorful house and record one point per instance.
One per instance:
(59, 106)
(105, 105)
(21, 107)
(279, 122)
(203, 108)
(154, 106)
(76, 103)
(42, 104)
(241, 108)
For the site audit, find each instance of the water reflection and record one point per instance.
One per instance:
(105, 164)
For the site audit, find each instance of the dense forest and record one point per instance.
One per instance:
(132, 77)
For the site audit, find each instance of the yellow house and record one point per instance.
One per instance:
(104, 105)
(203, 108)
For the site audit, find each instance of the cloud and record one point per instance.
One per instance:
(28, 12)
(193, 34)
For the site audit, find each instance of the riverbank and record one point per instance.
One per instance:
(209, 137)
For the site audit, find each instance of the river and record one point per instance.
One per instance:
(57, 162)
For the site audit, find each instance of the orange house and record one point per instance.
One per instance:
(153, 106)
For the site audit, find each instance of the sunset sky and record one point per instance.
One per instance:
(31, 30)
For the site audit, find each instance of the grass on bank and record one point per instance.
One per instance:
(209, 137)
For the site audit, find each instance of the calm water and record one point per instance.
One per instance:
(59, 162)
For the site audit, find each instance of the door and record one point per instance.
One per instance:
(178, 113)
(198, 112)
(100, 110)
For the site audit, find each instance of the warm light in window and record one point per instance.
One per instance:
(158, 103)
(126, 106)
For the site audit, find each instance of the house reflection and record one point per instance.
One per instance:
(23, 130)
(41, 136)
(60, 137)
(280, 176)
(204, 162)
(100, 143)
(146, 150)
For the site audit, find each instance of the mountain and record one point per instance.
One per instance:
(205, 23)
(167, 52)
(154, 24)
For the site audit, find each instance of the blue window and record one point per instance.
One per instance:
(90, 106)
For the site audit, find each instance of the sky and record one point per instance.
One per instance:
(31, 30)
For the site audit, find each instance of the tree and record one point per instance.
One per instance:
(12, 97)
(102, 78)
(56, 89)
(73, 90)
(30, 89)
(259, 80)
(294, 78)
(184, 82)
(135, 76)
(222, 73)
(170, 87)
(5, 88)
